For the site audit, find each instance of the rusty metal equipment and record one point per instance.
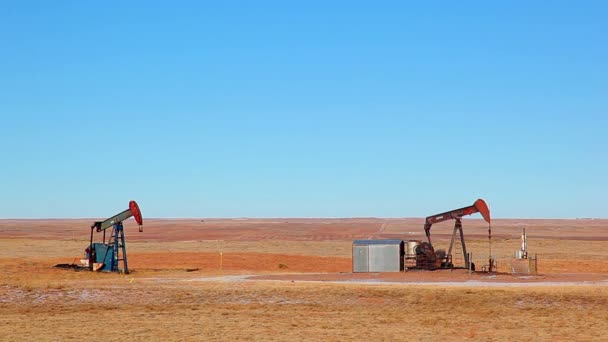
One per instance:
(410, 255)
(429, 258)
(106, 256)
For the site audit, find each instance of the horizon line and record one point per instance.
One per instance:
(301, 218)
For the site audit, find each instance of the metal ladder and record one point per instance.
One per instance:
(120, 249)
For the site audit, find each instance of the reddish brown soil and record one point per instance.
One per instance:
(308, 229)
(586, 261)
(419, 276)
(249, 262)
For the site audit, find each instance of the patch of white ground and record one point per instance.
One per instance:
(523, 282)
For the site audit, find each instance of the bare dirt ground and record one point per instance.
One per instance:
(290, 279)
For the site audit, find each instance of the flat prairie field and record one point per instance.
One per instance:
(291, 280)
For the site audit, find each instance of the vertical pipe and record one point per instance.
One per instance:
(124, 250)
(91, 259)
(490, 261)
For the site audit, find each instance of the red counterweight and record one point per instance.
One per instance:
(136, 214)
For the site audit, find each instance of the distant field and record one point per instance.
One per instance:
(182, 288)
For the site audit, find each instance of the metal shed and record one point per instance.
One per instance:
(377, 255)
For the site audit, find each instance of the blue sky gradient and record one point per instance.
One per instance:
(309, 109)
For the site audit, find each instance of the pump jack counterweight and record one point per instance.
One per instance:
(107, 256)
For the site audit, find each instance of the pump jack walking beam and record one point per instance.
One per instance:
(479, 206)
(132, 211)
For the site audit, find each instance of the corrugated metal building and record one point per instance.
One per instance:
(378, 255)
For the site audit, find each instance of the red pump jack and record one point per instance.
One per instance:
(479, 206)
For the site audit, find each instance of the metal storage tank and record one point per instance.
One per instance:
(378, 255)
(410, 248)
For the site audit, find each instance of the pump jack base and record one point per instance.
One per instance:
(97, 266)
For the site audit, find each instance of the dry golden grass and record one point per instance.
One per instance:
(296, 311)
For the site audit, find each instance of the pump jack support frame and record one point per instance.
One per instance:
(458, 228)
(118, 236)
(115, 245)
(119, 250)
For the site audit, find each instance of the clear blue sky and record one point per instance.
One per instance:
(308, 109)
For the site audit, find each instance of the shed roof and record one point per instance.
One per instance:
(378, 242)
